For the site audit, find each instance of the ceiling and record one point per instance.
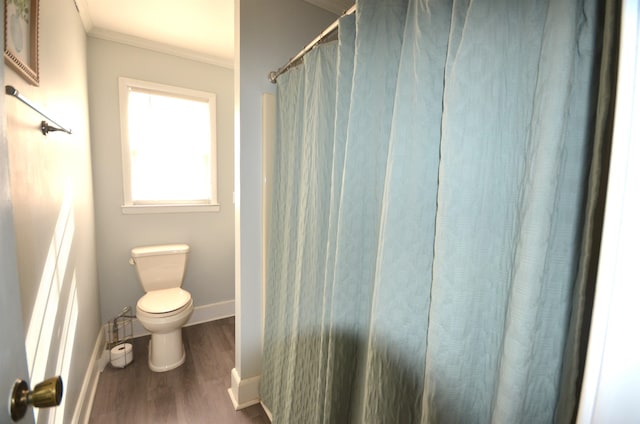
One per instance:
(197, 29)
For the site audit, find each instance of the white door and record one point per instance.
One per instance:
(13, 357)
(13, 360)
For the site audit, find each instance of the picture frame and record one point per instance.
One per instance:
(21, 22)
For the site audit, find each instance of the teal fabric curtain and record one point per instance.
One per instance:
(429, 185)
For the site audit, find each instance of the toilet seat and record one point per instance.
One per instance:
(164, 302)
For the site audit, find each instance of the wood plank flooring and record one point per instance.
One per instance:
(195, 392)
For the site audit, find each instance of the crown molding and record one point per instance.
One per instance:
(130, 40)
(83, 10)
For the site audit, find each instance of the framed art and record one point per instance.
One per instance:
(21, 38)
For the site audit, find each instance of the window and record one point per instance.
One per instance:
(168, 148)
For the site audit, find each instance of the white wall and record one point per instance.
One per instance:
(268, 33)
(53, 205)
(210, 271)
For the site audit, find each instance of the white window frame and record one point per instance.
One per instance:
(129, 206)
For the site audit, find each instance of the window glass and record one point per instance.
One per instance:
(168, 145)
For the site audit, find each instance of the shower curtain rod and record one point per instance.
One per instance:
(273, 75)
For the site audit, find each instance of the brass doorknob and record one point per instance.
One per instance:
(44, 395)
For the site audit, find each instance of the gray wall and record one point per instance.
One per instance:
(268, 33)
(210, 271)
(44, 171)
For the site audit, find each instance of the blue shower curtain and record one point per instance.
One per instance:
(426, 216)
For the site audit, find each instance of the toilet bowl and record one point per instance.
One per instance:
(165, 307)
(166, 350)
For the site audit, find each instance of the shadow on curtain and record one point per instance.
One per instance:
(427, 214)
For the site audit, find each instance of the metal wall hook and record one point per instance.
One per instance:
(46, 128)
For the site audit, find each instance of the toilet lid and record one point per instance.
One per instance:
(163, 301)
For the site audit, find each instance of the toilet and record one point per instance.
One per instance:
(165, 307)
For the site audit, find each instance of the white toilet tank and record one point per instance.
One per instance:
(160, 267)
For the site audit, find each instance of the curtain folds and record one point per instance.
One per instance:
(429, 188)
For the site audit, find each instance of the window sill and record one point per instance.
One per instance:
(145, 209)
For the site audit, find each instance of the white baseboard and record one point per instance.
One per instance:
(212, 312)
(267, 411)
(82, 411)
(204, 313)
(244, 393)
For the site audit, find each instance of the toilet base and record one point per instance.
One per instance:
(166, 351)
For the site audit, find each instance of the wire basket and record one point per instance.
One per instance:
(119, 334)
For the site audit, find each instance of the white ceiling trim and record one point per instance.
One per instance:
(85, 17)
(159, 47)
(100, 33)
